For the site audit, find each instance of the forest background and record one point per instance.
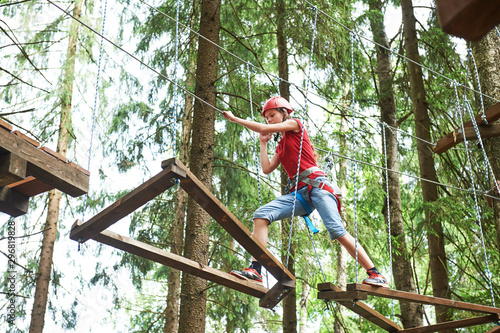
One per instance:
(64, 86)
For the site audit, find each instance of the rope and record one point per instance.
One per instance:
(397, 54)
(105, 5)
(355, 164)
(280, 80)
(176, 77)
(388, 213)
(498, 32)
(483, 116)
(201, 100)
(220, 111)
(302, 136)
(257, 169)
(478, 215)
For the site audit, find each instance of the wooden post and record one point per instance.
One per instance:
(13, 202)
(12, 168)
(469, 19)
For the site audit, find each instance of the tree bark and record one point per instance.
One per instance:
(411, 313)
(437, 255)
(289, 302)
(193, 289)
(174, 278)
(50, 229)
(487, 55)
(304, 296)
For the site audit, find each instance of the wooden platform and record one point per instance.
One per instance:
(26, 170)
(361, 291)
(174, 170)
(469, 19)
(487, 131)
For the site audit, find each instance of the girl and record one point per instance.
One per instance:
(313, 186)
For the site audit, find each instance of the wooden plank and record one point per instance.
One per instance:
(12, 168)
(469, 19)
(27, 138)
(449, 141)
(126, 205)
(228, 221)
(13, 202)
(361, 308)
(79, 168)
(344, 295)
(422, 299)
(6, 126)
(54, 154)
(449, 325)
(275, 295)
(178, 262)
(454, 138)
(44, 167)
(30, 186)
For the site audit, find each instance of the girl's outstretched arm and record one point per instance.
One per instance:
(287, 125)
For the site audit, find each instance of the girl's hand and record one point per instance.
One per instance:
(229, 116)
(264, 138)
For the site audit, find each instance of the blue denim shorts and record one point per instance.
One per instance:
(321, 200)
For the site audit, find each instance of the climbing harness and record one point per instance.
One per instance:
(308, 210)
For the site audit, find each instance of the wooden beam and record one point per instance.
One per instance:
(360, 308)
(45, 167)
(12, 202)
(12, 169)
(450, 325)
(276, 294)
(422, 299)
(450, 140)
(344, 295)
(469, 19)
(30, 186)
(27, 138)
(126, 205)
(230, 223)
(178, 262)
(454, 138)
(6, 126)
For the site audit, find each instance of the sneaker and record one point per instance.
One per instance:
(248, 274)
(375, 279)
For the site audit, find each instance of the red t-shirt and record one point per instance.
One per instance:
(288, 153)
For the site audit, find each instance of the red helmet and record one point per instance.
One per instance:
(275, 103)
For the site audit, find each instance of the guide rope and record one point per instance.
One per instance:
(94, 110)
(478, 214)
(302, 134)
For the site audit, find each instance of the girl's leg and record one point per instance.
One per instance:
(350, 245)
(260, 231)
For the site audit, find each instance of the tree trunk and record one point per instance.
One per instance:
(411, 313)
(289, 302)
(487, 55)
(174, 278)
(50, 229)
(304, 296)
(437, 255)
(193, 289)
